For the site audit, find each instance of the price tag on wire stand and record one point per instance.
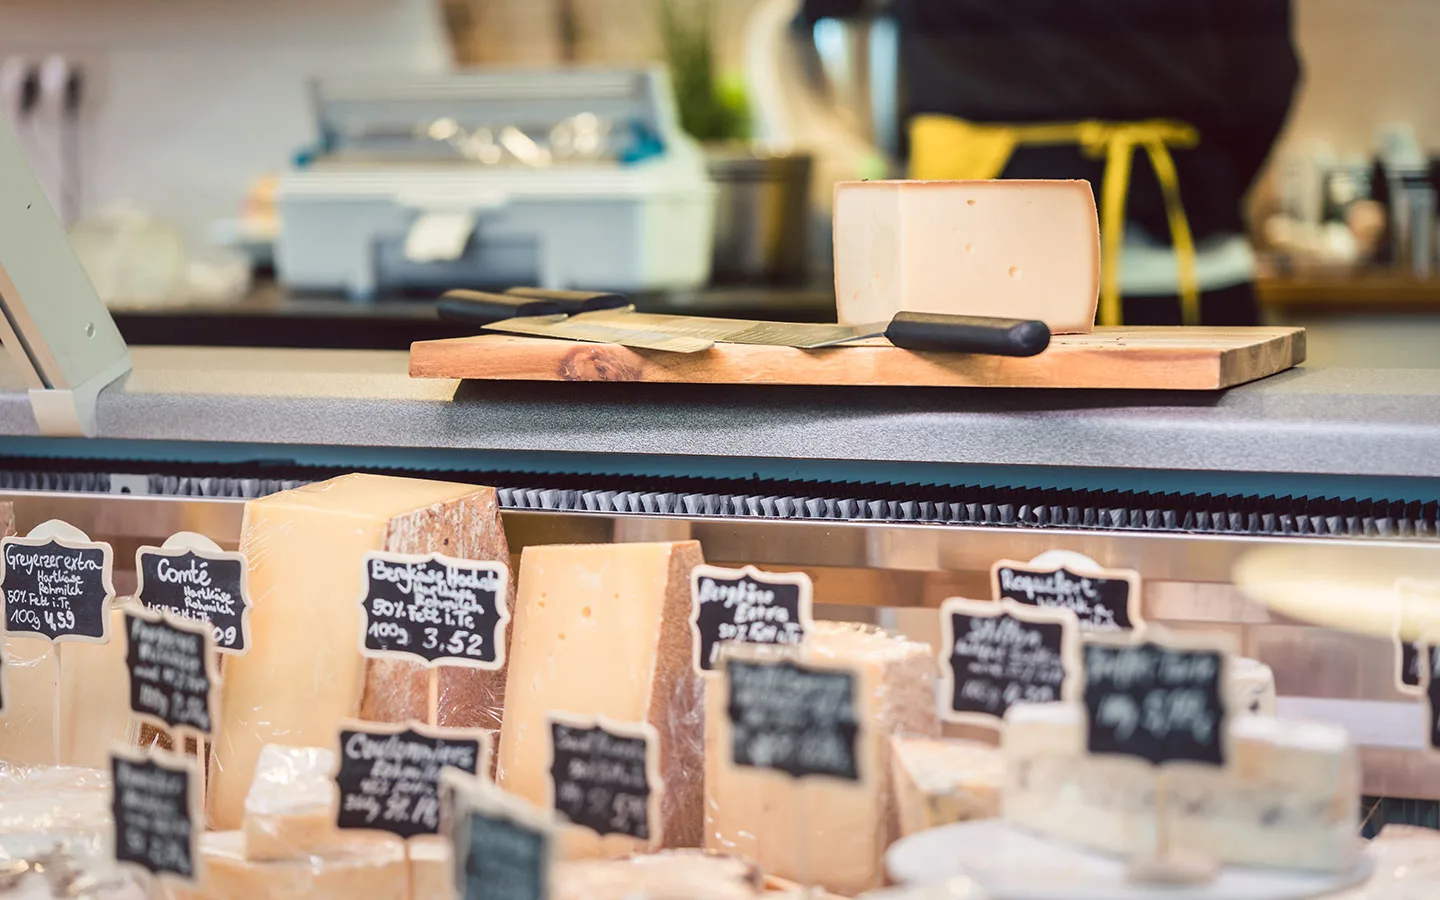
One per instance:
(57, 584)
(747, 606)
(605, 775)
(155, 803)
(389, 775)
(1162, 698)
(435, 609)
(502, 846)
(1103, 600)
(173, 676)
(190, 576)
(995, 655)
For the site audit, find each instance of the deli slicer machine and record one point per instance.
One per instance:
(892, 499)
(563, 178)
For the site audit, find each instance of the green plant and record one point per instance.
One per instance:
(709, 110)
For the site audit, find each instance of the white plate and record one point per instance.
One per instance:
(1012, 864)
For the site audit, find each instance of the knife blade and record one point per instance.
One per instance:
(606, 318)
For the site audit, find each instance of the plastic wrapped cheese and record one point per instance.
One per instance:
(56, 821)
(290, 810)
(1289, 797)
(938, 782)
(832, 833)
(362, 865)
(604, 630)
(303, 673)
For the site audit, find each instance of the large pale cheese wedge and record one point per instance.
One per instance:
(825, 830)
(27, 724)
(938, 782)
(604, 629)
(304, 673)
(1289, 797)
(290, 810)
(95, 698)
(1016, 249)
(366, 865)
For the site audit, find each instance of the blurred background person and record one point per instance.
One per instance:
(1169, 109)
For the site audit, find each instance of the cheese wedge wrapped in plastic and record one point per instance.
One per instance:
(1289, 797)
(94, 700)
(833, 832)
(290, 810)
(304, 673)
(604, 630)
(1015, 249)
(57, 821)
(362, 865)
(938, 782)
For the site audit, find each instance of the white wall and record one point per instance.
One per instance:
(196, 97)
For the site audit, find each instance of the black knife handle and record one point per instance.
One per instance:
(968, 334)
(480, 308)
(573, 302)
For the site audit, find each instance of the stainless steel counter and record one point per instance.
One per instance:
(1358, 422)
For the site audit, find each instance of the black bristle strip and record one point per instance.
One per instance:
(951, 504)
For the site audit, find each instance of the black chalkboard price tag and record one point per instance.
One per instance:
(605, 775)
(792, 717)
(435, 609)
(389, 775)
(502, 846)
(1409, 678)
(157, 814)
(1103, 599)
(57, 585)
(1162, 699)
(171, 664)
(193, 578)
(998, 654)
(747, 606)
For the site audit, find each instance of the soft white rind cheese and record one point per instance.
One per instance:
(1017, 249)
(1289, 798)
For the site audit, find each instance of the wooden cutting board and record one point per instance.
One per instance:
(1194, 359)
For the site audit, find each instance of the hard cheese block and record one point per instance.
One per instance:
(938, 782)
(432, 869)
(833, 831)
(94, 700)
(1017, 249)
(1289, 798)
(364, 865)
(290, 810)
(604, 629)
(304, 673)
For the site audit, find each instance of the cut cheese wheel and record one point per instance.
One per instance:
(828, 831)
(604, 629)
(290, 810)
(364, 865)
(303, 673)
(1289, 797)
(1016, 249)
(938, 782)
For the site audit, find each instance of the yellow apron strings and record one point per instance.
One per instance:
(944, 147)
(1180, 235)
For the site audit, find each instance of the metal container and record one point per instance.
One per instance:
(762, 216)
